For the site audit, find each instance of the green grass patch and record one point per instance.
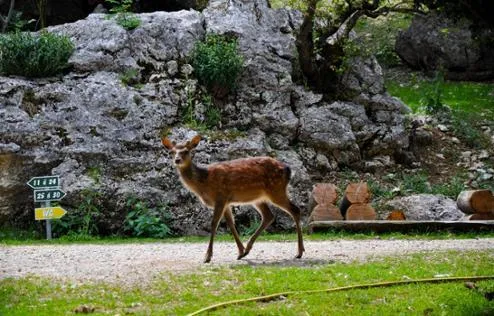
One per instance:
(179, 294)
(13, 238)
(470, 97)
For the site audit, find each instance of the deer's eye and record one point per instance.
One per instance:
(185, 152)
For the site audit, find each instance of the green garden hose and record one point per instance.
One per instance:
(270, 297)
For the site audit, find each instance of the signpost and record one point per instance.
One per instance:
(48, 195)
(46, 213)
(46, 190)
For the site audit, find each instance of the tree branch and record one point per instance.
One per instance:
(6, 20)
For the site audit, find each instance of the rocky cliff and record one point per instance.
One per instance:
(102, 135)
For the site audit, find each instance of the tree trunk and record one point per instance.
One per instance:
(360, 212)
(482, 217)
(324, 193)
(396, 216)
(476, 201)
(325, 212)
(357, 194)
(323, 199)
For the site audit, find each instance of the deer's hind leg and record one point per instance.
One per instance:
(230, 221)
(267, 218)
(285, 204)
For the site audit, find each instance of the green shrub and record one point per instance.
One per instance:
(217, 64)
(432, 99)
(34, 55)
(128, 21)
(142, 221)
(122, 10)
(81, 223)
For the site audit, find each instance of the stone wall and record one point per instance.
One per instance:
(100, 134)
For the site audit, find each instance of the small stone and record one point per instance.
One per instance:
(466, 154)
(172, 67)
(187, 70)
(440, 156)
(485, 177)
(443, 128)
(455, 140)
(484, 154)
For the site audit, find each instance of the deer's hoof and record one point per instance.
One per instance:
(240, 256)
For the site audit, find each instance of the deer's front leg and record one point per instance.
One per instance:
(217, 214)
(230, 221)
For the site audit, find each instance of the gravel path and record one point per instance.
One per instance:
(131, 263)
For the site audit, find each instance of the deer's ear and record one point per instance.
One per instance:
(194, 142)
(167, 143)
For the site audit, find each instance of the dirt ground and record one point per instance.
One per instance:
(131, 263)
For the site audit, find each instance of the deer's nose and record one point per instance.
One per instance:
(177, 161)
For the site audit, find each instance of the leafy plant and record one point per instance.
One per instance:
(466, 127)
(122, 10)
(432, 98)
(217, 64)
(130, 77)
(81, 223)
(34, 55)
(209, 115)
(17, 23)
(450, 189)
(143, 221)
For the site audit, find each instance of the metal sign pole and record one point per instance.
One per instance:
(48, 223)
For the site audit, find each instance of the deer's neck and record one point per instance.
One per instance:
(193, 177)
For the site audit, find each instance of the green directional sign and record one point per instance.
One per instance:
(47, 195)
(44, 182)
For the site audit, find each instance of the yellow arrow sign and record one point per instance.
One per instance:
(48, 213)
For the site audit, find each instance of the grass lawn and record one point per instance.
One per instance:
(470, 97)
(180, 294)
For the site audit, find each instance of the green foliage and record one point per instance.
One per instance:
(466, 127)
(130, 77)
(128, 21)
(143, 221)
(217, 64)
(470, 105)
(432, 97)
(17, 23)
(34, 55)
(378, 36)
(210, 117)
(81, 223)
(120, 6)
(471, 97)
(254, 223)
(121, 9)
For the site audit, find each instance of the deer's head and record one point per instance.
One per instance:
(181, 153)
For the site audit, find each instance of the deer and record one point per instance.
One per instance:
(254, 181)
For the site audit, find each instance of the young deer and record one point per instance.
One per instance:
(253, 181)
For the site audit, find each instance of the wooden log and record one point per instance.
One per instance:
(324, 193)
(482, 217)
(360, 212)
(476, 201)
(325, 212)
(396, 216)
(355, 193)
